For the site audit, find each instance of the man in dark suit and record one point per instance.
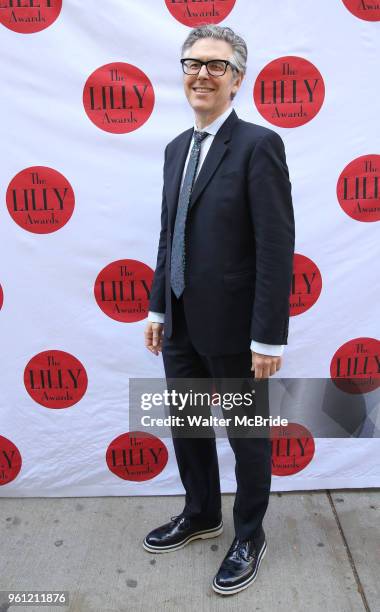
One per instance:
(219, 302)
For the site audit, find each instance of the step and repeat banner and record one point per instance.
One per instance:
(91, 94)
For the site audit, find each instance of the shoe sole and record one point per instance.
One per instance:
(199, 535)
(243, 585)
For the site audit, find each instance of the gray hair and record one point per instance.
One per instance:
(239, 47)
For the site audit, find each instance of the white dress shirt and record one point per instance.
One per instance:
(158, 317)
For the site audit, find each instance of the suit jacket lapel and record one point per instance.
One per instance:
(214, 157)
(175, 171)
(210, 164)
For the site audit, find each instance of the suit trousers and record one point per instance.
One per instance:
(197, 456)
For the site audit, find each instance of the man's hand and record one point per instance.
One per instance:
(265, 365)
(153, 337)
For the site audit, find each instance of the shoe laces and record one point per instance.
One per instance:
(242, 549)
(178, 519)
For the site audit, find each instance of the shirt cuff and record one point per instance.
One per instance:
(275, 350)
(156, 317)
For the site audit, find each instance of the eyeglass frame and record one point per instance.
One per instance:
(195, 59)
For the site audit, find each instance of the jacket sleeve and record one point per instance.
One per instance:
(157, 294)
(271, 208)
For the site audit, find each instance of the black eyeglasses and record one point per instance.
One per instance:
(214, 67)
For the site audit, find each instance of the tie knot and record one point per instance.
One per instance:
(199, 136)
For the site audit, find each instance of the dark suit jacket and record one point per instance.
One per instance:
(239, 240)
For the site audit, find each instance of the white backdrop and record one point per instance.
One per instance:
(48, 278)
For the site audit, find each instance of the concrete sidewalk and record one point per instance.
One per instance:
(323, 554)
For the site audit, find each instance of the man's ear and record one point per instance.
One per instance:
(241, 75)
(238, 81)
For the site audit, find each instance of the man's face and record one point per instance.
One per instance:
(209, 95)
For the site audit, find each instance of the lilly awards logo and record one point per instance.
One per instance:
(55, 379)
(358, 188)
(122, 290)
(289, 91)
(355, 366)
(193, 13)
(10, 461)
(118, 98)
(29, 16)
(369, 10)
(306, 284)
(136, 456)
(293, 449)
(40, 199)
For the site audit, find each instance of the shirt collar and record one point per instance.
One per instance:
(217, 123)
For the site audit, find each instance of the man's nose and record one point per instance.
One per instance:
(203, 72)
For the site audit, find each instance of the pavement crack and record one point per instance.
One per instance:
(349, 555)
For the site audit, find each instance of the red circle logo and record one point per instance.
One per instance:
(10, 461)
(55, 379)
(1, 297)
(369, 10)
(306, 284)
(358, 188)
(29, 16)
(136, 456)
(122, 290)
(40, 200)
(289, 91)
(118, 98)
(194, 13)
(355, 367)
(292, 449)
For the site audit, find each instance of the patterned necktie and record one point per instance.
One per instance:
(177, 275)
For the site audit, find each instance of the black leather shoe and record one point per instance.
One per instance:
(180, 531)
(240, 565)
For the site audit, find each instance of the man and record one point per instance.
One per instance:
(219, 302)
